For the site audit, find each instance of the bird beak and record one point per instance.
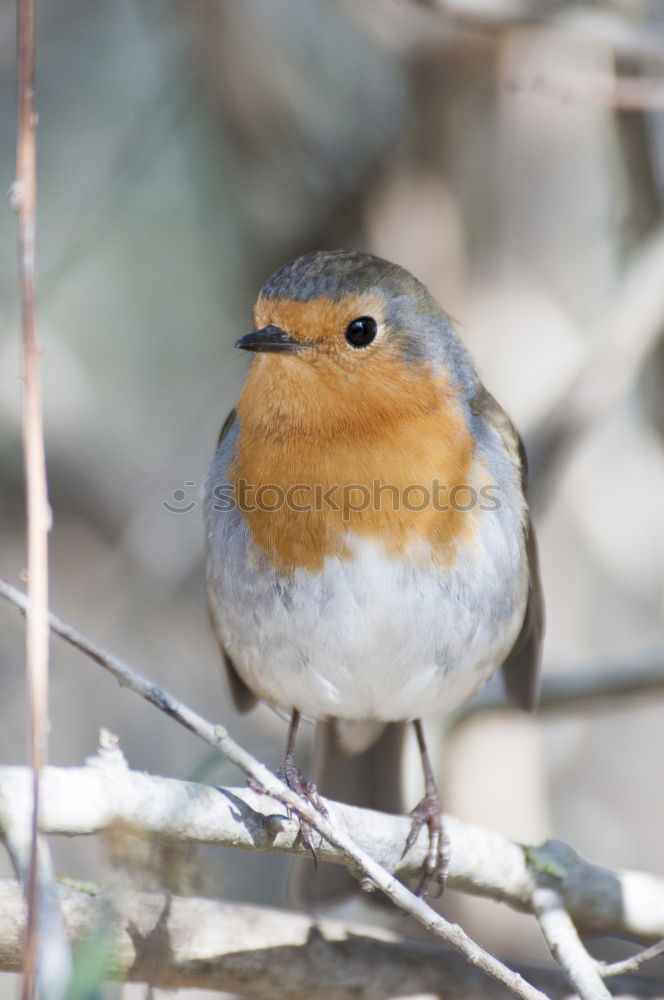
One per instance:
(271, 339)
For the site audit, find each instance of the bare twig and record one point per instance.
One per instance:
(217, 737)
(633, 963)
(566, 946)
(38, 515)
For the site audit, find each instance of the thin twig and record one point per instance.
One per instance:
(561, 936)
(38, 515)
(217, 737)
(631, 964)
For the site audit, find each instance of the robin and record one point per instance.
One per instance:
(370, 557)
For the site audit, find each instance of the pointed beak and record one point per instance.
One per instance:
(271, 339)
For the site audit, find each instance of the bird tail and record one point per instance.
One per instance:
(370, 779)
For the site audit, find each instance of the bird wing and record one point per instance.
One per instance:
(243, 697)
(521, 667)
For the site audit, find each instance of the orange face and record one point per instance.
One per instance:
(329, 388)
(331, 415)
(320, 321)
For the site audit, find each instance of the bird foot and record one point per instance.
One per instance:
(292, 776)
(437, 862)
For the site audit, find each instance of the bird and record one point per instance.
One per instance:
(370, 558)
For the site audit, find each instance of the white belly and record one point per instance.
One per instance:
(372, 638)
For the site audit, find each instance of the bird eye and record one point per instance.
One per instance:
(361, 331)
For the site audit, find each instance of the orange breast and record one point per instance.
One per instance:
(321, 456)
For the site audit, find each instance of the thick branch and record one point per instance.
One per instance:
(176, 943)
(90, 799)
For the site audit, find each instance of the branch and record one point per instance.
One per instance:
(629, 37)
(38, 512)
(54, 966)
(626, 93)
(178, 943)
(218, 738)
(561, 936)
(633, 963)
(104, 794)
(597, 684)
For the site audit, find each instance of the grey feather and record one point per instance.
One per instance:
(521, 668)
(243, 698)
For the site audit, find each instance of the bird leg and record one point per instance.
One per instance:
(292, 776)
(427, 812)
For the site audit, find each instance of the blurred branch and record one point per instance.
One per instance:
(217, 737)
(106, 794)
(38, 513)
(621, 92)
(635, 37)
(589, 685)
(623, 338)
(55, 964)
(177, 942)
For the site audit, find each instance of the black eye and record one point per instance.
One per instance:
(361, 331)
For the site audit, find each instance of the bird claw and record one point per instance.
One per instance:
(437, 862)
(292, 776)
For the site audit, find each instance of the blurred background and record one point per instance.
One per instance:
(511, 154)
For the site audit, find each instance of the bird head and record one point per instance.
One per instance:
(346, 340)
